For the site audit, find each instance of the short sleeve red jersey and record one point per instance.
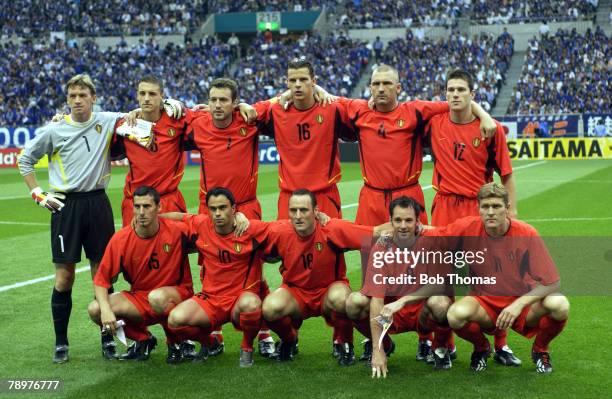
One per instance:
(391, 143)
(162, 167)
(307, 142)
(147, 263)
(463, 161)
(516, 260)
(230, 156)
(315, 261)
(230, 264)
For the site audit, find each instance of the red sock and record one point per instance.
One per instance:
(136, 330)
(264, 332)
(442, 334)
(499, 338)
(343, 327)
(249, 324)
(363, 326)
(471, 332)
(284, 328)
(425, 336)
(199, 334)
(172, 337)
(548, 329)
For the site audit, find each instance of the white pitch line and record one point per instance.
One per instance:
(37, 280)
(24, 223)
(586, 219)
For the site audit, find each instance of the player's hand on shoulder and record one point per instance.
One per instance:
(488, 127)
(247, 112)
(130, 118)
(173, 108)
(51, 201)
(200, 108)
(323, 97)
(58, 117)
(323, 218)
(285, 99)
(241, 224)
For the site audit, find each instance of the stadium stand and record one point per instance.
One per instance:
(32, 75)
(515, 11)
(565, 73)
(423, 64)
(33, 18)
(338, 60)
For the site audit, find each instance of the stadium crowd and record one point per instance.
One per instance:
(31, 75)
(339, 62)
(423, 63)
(515, 11)
(565, 72)
(95, 18)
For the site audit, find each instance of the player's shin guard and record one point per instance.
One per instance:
(284, 328)
(472, 332)
(363, 326)
(500, 338)
(250, 322)
(343, 327)
(61, 306)
(548, 329)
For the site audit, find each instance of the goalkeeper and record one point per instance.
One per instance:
(77, 147)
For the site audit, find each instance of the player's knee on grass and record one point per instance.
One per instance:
(94, 311)
(357, 306)
(557, 305)
(248, 303)
(438, 306)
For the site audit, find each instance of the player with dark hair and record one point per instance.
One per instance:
(413, 310)
(231, 276)
(314, 274)
(152, 256)
(541, 312)
(464, 161)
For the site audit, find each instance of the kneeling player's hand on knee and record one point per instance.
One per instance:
(508, 316)
(379, 364)
(51, 201)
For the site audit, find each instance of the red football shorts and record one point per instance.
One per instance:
(170, 202)
(407, 319)
(140, 299)
(310, 301)
(219, 308)
(493, 305)
(374, 203)
(328, 202)
(447, 208)
(250, 208)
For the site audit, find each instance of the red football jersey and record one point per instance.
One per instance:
(230, 264)
(307, 142)
(230, 156)
(147, 263)
(391, 143)
(315, 261)
(516, 260)
(463, 161)
(162, 167)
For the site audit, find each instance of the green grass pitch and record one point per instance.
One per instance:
(560, 198)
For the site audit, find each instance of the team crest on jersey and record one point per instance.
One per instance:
(171, 132)
(319, 246)
(243, 131)
(400, 122)
(476, 142)
(320, 118)
(167, 248)
(98, 128)
(238, 247)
